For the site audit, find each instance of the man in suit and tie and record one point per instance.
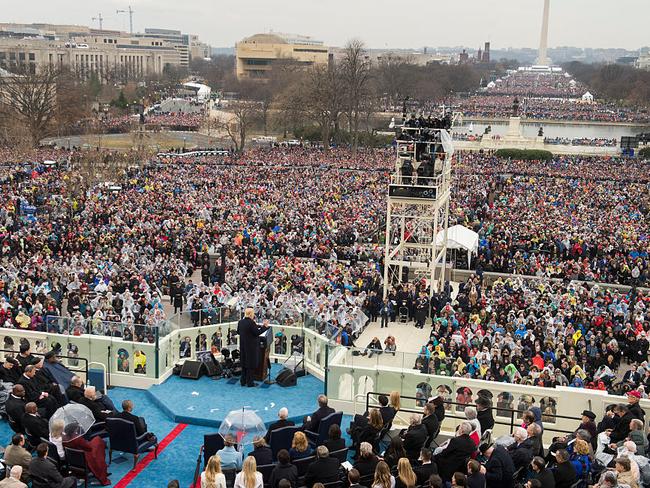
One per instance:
(42, 469)
(126, 414)
(15, 405)
(324, 470)
(313, 421)
(283, 414)
(34, 424)
(249, 346)
(430, 420)
(454, 457)
(414, 437)
(427, 466)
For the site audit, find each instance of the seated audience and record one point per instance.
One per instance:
(283, 414)
(354, 478)
(475, 478)
(624, 473)
(34, 424)
(454, 457)
(97, 408)
(139, 422)
(367, 461)
(521, 450)
(541, 473)
(383, 478)
(334, 440)
(564, 472)
(406, 478)
(313, 421)
(45, 470)
(426, 467)
(212, 477)
(324, 470)
(56, 436)
(414, 437)
(94, 451)
(249, 476)
(261, 452)
(230, 457)
(300, 447)
(283, 470)
(394, 452)
(16, 455)
(13, 480)
(499, 468)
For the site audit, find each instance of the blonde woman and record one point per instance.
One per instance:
(249, 477)
(300, 447)
(212, 477)
(405, 475)
(394, 400)
(383, 478)
(56, 436)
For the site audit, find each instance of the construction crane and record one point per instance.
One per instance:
(130, 12)
(101, 21)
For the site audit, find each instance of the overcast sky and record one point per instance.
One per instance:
(379, 23)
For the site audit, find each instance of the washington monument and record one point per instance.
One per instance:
(542, 58)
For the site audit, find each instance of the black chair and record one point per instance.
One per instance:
(266, 470)
(230, 477)
(320, 437)
(341, 455)
(98, 429)
(333, 484)
(15, 426)
(76, 460)
(281, 439)
(123, 438)
(302, 464)
(211, 444)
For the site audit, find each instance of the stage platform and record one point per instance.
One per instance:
(206, 401)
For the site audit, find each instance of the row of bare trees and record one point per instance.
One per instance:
(340, 99)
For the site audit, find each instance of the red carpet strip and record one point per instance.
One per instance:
(144, 462)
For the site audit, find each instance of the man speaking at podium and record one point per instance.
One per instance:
(249, 345)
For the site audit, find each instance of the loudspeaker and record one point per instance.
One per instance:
(192, 370)
(213, 369)
(286, 377)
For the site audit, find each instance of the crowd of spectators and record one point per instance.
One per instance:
(574, 217)
(581, 141)
(548, 85)
(532, 107)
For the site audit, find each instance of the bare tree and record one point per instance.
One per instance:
(321, 99)
(355, 69)
(242, 115)
(32, 96)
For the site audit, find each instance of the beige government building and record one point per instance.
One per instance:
(112, 55)
(256, 54)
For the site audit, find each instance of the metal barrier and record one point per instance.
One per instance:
(72, 361)
(513, 413)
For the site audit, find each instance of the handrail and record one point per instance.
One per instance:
(451, 414)
(10, 352)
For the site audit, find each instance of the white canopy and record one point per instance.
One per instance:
(587, 97)
(459, 237)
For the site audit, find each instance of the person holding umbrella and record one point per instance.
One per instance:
(249, 332)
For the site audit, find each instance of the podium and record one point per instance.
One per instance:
(262, 371)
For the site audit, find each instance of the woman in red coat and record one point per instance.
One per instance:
(95, 453)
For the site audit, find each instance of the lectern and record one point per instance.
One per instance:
(262, 371)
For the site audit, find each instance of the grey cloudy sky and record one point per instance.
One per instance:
(380, 23)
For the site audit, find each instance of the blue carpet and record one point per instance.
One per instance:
(206, 401)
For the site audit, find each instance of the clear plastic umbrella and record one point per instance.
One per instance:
(242, 426)
(77, 420)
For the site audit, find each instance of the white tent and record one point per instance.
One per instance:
(459, 237)
(587, 97)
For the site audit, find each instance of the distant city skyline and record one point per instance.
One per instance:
(379, 23)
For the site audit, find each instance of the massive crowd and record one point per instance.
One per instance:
(500, 105)
(549, 85)
(576, 218)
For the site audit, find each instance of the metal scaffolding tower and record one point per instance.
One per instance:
(418, 206)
